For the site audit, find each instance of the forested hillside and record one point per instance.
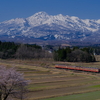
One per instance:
(75, 54)
(31, 51)
(21, 51)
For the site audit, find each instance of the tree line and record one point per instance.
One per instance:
(22, 51)
(75, 54)
(31, 51)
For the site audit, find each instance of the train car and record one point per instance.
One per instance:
(78, 68)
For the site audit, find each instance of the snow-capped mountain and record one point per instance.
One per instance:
(47, 27)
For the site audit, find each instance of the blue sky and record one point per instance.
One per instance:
(84, 9)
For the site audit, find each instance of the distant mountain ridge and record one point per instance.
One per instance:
(47, 27)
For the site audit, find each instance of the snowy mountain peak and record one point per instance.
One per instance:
(42, 13)
(60, 17)
(37, 18)
(39, 15)
(74, 18)
(15, 21)
(44, 26)
(98, 21)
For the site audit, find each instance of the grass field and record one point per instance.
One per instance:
(84, 96)
(47, 81)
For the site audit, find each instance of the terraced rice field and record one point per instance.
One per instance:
(47, 81)
(84, 96)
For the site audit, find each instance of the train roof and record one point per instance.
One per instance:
(76, 66)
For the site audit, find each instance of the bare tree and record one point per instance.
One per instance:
(12, 84)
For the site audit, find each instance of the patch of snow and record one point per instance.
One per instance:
(87, 22)
(91, 29)
(13, 36)
(98, 21)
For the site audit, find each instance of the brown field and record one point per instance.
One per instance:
(46, 81)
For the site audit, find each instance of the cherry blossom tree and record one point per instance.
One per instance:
(12, 84)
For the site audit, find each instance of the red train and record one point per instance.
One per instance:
(87, 69)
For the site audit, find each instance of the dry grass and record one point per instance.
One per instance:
(46, 81)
